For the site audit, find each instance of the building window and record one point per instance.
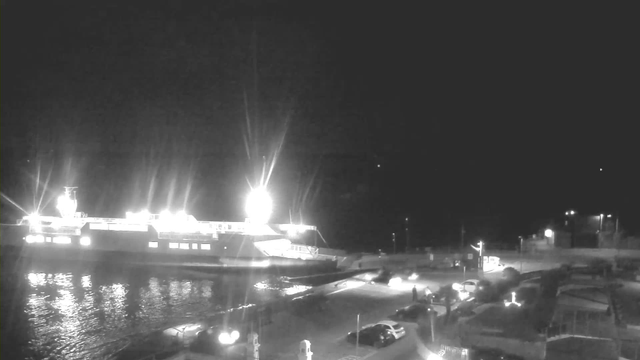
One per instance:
(153, 244)
(173, 245)
(205, 247)
(194, 246)
(184, 246)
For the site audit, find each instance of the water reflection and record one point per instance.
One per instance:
(83, 311)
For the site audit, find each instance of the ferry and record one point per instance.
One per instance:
(166, 239)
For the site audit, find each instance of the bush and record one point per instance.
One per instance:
(511, 276)
(486, 292)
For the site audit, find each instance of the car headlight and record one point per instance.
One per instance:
(227, 339)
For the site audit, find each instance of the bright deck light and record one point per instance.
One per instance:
(66, 205)
(259, 206)
(548, 233)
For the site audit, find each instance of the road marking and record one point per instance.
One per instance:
(354, 357)
(369, 355)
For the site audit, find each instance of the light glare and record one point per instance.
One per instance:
(62, 240)
(395, 282)
(226, 339)
(85, 241)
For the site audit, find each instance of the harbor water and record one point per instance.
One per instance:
(74, 310)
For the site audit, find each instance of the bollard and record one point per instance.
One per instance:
(305, 350)
(253, 346)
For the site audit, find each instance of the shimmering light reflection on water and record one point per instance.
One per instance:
(87, 312)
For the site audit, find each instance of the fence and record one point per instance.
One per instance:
(630, 349)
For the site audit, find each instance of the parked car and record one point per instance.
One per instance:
(308, 303)
(414, 312)
(395, 328)
(372, 335)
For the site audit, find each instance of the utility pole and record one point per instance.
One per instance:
(406, 229)
(521, 243)
(462, 235)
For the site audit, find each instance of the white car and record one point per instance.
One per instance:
(395, 328)
(470, 285)
(466, 289)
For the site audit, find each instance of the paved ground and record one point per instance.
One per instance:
(326, 330)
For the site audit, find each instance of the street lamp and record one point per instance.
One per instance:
(550, 234)
(393, 238)
(570, 213)
(513, 300)
(479, 250)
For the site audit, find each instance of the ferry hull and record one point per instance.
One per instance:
(132, 249)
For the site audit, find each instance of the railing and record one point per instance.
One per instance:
(583, 323)
(305, 249)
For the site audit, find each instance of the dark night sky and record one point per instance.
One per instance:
(469, 112)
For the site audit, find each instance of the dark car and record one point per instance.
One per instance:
(414, 312)
(215, 338)
(308, 303)
(439, 296)
(372, 335)
(383, 277)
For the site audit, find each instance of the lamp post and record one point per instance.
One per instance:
(406, 229)
(393, 238)
(569, 214)
(601, 222)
